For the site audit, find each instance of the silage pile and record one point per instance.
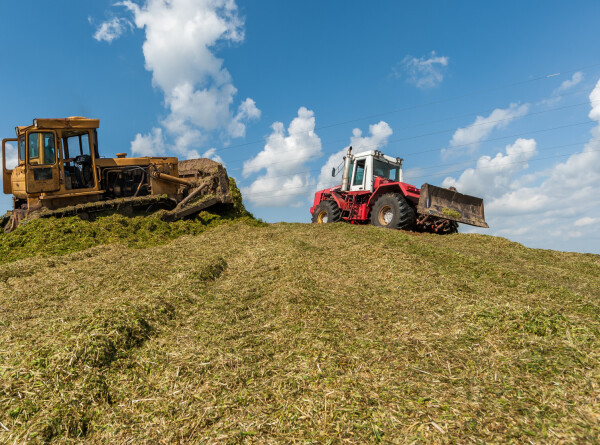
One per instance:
(306, 333)
(223, 329)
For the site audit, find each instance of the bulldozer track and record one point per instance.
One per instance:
(99, 206)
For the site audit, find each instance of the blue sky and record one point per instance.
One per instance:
(499, 99)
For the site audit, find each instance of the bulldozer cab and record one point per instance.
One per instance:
(55, 156)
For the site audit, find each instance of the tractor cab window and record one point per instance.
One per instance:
(77, 160)
(359, 172)
(385, 170)
(42, 149)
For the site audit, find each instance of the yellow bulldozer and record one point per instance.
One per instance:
(60, 173)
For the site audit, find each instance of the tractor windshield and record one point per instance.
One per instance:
(385, 170)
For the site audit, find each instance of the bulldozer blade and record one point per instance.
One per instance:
(451, 205)
(179, 213)
(202, 169)
(211, 187)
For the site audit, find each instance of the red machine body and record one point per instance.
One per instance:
(356, 205)
(372, 191)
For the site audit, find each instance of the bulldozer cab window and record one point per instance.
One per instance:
(78, 145)
(359, 172)
(49, 148)
(34, 148)
(42, 149)
(22, 148)
(385, 170)
(77, 161)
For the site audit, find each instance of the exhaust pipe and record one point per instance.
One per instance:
(346, 174)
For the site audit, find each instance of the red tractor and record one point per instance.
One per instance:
(372, 191)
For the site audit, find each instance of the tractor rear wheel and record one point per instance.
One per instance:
(327, 212)
(393, 212)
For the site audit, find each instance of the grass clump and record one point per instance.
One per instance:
(450, 213)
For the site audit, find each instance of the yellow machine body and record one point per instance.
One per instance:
(59, 166)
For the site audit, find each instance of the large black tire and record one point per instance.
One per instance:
(452, 228)
(327, 212)
(393, 212)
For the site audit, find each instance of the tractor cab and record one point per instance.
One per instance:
(368, 166)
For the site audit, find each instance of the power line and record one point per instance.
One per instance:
(538, 149)
(509, 136)
(444, 172)
(468, 126)
(475, 168)
(423, 105)
(466, 162)
(455, 146)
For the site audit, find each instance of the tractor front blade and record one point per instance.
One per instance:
(451, 205)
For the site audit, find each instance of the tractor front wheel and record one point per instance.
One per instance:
(393, 212)
(327, 212)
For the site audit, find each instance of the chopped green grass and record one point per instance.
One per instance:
(51, 236)
(450, 213)
(301, 333)
(57, 236)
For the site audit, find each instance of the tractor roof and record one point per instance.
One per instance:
(377, 155)
(74, 122)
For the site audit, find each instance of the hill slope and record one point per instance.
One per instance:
(309, 333)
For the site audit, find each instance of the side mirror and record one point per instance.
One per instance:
(333, 172)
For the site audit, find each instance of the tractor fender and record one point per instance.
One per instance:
(411, 193)
(324, 195)
(339, 201)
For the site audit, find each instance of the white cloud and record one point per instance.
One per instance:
(246, 111)
(414, 174)
(179, 52)
(595, 103)
(570, 83)
(12, 156)
(492, 176)
(211, 153)
(586, 221)
(150, 144)
(564, 86)
(112, 29)
(557, 203)
(470, 136)
(379, 134)
(282, 157)
(424, 72)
